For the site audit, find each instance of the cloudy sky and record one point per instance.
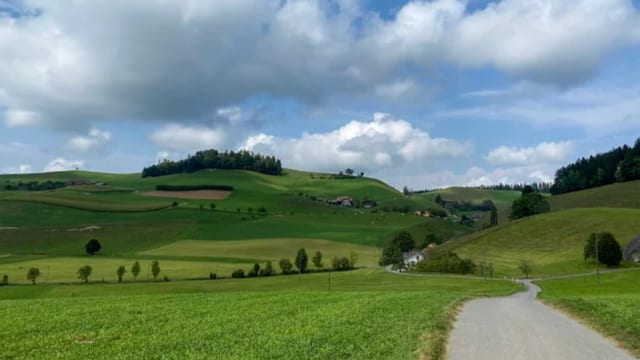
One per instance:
(418, 93)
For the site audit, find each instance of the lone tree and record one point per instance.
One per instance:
(121, 271)
(302, 261)
(317, 260)
(33, 274)
(392, 253)
(285, 266)
(353, 258)
(5, 279)
(135, 270)
(525, 267)
(92, 247)
(155, 269)
(84, 273)
(609, 251)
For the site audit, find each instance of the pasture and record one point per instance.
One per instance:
(611, 307)
(553, 242)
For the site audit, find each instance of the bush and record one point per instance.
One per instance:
(267, 270)
(255, 271)
(448, 263)
(341, 263)
(5, 280)
(212, 276)
(238, 274)
(609, 251)
(166, 278)
(285, 266)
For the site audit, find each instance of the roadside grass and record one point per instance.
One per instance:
(366, 314)
(611, 307)
(620, 195)
(269, 249)
(553, 242)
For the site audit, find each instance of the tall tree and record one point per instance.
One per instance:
(155, 269)
(135, 270)
(120, 272)
(33, 274)
(84, 273)
(317, 260)
(302, 260)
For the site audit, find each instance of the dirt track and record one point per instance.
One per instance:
(192, 195)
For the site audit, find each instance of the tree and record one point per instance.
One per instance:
(285, 266)
(341, 264)
(238, 274)
(135, 270)
(84, 273)
(404, 241)
(406, 191)
(609, 251)
(5, 279)
(529, 203)
(92, 247)
(349, 172)
(33, 274)
(353, 258)
(267, 270)
(155, 269)
(255, 271)
(302, 260)
(212, 206)
(525, 267)
(120, 272)
(317, 260)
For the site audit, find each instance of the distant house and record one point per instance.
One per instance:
(425, 213)
(431, 245)
(412, 258)
(344, 201)
(368, 204)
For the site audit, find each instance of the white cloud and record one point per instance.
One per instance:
(383, 142)
(543, 153)
(188, 139)
(96, 138)
(20, 169)
(178, 60)
(62, 164)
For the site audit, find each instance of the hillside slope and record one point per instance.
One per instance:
(553, 242)
(620, 195)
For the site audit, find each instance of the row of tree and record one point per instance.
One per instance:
(617, 165)
(33, 185)
(301, 264)
(212, 159)
(85, 272)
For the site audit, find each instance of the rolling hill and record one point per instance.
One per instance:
(619, 195)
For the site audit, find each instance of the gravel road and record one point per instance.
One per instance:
(521, 327)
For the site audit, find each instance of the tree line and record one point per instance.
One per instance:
(213, 159)
(34, 185)
(617, 165)
(301, 264)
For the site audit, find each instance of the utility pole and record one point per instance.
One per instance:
(597, 263)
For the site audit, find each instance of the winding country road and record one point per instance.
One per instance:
(521, 327)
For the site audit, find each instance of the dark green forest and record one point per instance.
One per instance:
(212, 159)
(618, 165)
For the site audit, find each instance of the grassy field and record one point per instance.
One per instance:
(553, 242)
(611, 307)
(622, 195)
(268, 249)
(367, 314)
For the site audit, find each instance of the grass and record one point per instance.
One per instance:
(367, 314)
(611, 307)
(621, 195)
(268, 249)
(553, 242)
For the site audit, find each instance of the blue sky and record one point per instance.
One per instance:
(419, 93)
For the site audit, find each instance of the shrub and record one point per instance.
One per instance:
(5, 280)
(317, 260)
(447, 263)
(166, 278)
(255, 271)
(174, 204)
(262, 211)
(212, 276)
(238, 274)
(341, 263)
(267, 270)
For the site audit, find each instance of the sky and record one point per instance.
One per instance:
(423, 94)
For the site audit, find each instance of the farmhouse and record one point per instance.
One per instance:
(343, 201)
(425, 213)
(412, 258)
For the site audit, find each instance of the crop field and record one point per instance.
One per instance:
(611, 307)
(366, 314)
(268, 249)
(553, 242)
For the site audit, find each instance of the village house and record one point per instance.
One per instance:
(425, 213)
(412, 258)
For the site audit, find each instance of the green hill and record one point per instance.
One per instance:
(620, 195)
(553, 242)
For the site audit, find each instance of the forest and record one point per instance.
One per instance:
(617, 165)
(213, 159)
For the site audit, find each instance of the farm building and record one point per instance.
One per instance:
(413, 257)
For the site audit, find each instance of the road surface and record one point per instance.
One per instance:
(521, 327)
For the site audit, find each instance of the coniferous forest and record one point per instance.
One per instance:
(618, 165)
(213, 159)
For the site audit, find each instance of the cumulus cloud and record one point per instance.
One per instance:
(179, 60)
(62, 164)
(543, 153)
(94, 139)
(383, 142)
(185, 138)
